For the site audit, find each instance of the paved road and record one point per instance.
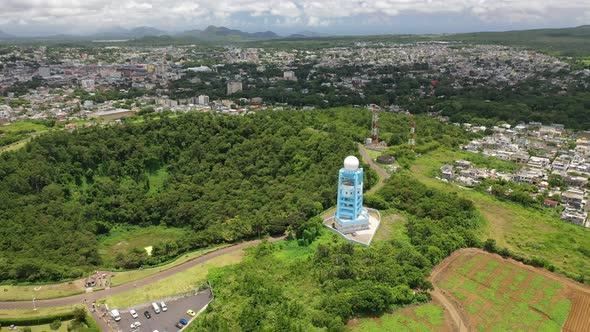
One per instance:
(90, 297)
(383, 175)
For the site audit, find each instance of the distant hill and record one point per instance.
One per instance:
(4, 35)
(122, 33)
(213, 33)
(307, 34)
(566, 41)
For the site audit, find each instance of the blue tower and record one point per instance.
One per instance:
(350, 215)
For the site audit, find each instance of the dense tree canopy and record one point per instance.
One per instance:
(221, 178)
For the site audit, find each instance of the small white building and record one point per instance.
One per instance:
(87, 84)
(233, 87)
(6, 113)
(289, 75)
(203, 100)
(201, 69)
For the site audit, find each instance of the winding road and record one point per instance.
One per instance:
(91, 297)
(383, 175)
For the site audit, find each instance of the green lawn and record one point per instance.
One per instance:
(374, 154)
(291, 250)
(527, 231)
(15, 146)
(426, 317)
(46, 328)
(157, 180)
(182, 282)
(22, 313)
(25, 293)
(123, 239)
(392, 227)
(24, 126)
(133, 275)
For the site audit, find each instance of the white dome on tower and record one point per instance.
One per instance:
(351, 163)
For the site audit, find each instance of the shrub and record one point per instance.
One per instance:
(55, 325)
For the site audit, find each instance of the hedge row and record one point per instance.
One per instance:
(31, 321)
(92, 324)
(40, 320)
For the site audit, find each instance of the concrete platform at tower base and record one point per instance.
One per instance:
(364, 236)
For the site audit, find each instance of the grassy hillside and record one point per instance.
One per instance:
(567, 41)
(527, 231)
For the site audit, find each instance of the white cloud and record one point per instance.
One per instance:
(173, 13)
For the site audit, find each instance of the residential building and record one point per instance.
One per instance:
(447, 172)
(233, 87)
(289, 75)
(203, 100)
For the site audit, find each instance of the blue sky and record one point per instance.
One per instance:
(42, 17)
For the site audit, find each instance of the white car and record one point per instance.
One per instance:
(133, 313)
(135, 325)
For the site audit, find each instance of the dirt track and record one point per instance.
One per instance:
(458, 316)
(90, 297)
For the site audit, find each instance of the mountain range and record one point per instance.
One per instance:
(211, 33)
(221, 33)
(122, 33)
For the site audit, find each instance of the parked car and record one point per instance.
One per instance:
(163, 306)
(156, 307)
(116, 315)
(179, 325)
(147, 314)
(133, 313)
(183, 321)
(190, 313)
(135, 325)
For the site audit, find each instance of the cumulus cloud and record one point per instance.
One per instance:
(170, 13)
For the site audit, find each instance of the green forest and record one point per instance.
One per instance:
(227, 178)
(218, 178)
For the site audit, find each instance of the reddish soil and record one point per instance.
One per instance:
(578, 318)
(579, 294)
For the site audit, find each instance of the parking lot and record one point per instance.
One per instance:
(164, 321)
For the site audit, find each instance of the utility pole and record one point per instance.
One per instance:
(211, 289)
(375, 126)
(412, 140)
